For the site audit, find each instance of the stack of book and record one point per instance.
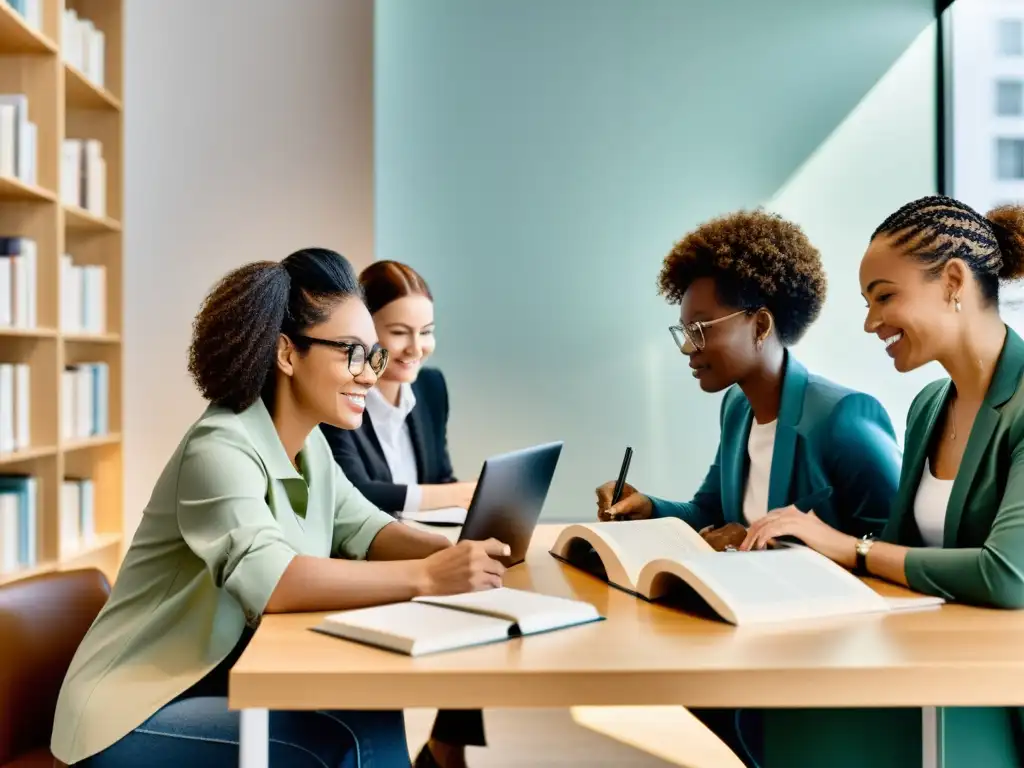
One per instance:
(15, 391)
(83, 175)
(18, 139)
(83, 297)
(83, 46)
(30, 10)
(84, 397)
(77, 518)
(17, 522)
(17, 282)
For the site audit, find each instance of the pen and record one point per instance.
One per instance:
(622, 476)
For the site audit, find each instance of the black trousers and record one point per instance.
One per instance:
(460, 726)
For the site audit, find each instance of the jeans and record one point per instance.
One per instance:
(200, 732)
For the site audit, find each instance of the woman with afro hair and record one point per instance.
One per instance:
(749, 285)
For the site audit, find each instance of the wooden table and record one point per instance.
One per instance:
(643, 654)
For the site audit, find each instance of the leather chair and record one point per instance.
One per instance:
(42, 621)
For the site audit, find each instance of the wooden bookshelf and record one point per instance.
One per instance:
(65, 103)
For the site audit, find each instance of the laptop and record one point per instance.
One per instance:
(509, 497)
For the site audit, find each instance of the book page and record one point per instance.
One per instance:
(533, 612)
(772, 585)
(415, 628)
(638, 542)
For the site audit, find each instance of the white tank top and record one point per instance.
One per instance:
(930, 506)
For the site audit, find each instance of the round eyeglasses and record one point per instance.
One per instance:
(358, 354)
(693, 333)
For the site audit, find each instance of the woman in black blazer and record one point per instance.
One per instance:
(399, 458)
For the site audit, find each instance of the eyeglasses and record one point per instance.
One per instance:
(358, 354)
(693, 333)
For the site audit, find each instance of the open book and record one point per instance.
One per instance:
(431, 624)
(666, 558)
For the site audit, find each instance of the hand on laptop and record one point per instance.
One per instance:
(468, 566)
(632, 505)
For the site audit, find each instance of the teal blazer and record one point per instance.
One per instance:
(827, 436)
(981, 561)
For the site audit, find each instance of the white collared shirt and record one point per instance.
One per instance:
(392, 428)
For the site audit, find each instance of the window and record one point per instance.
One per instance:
(1011, 37)
(1009, 159)
(1009, 98)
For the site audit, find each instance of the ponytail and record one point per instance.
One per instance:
(233, 354)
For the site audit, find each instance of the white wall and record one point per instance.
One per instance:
(248, 134)
(880, 157)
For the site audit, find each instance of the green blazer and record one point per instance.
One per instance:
(981, 561)
(227, 515)
(827, 436)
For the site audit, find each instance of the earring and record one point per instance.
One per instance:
(758, 344)
(956, 304)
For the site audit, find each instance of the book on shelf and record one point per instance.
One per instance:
(83, 46)
(18, 282)
(15, 405)
(18, 516)
(18, 139)
(30, 10)
(77, 527)
(431, 624)
(665, 558)
(83, 297)
(83, 175)
(85, 393)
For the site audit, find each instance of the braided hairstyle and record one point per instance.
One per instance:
(233, 353)
(937, 228)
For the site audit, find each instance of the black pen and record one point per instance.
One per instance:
(621, 482)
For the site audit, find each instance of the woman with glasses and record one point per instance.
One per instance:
(749, 285)
(399, 458)
(252, 516)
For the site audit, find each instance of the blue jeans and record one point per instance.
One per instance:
(201, 732)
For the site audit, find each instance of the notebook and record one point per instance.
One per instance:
(427, 625)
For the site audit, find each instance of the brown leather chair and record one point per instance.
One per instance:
(42, 621)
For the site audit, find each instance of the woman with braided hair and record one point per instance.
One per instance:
(253, 516)
(931, 281)
(931, 278)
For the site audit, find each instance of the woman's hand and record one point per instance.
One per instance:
(469, 566)
(444, 495)
(805, 526)
(632, 505)
(728, 535)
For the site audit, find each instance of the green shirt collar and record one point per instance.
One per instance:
(258, 423)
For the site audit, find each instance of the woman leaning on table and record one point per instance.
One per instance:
(931, 277)
(250, 516)
(749, 285)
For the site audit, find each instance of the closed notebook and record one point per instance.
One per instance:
(432, 624)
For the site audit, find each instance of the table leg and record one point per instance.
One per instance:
(931, 738)
(254, 739)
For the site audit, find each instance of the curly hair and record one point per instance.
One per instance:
(233, 352)
(756, 260)
(936, 228)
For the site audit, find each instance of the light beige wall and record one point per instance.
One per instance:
(248, 134)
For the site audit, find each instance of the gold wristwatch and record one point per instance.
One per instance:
(863, 547)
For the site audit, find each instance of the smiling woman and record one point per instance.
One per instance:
(251, 516)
